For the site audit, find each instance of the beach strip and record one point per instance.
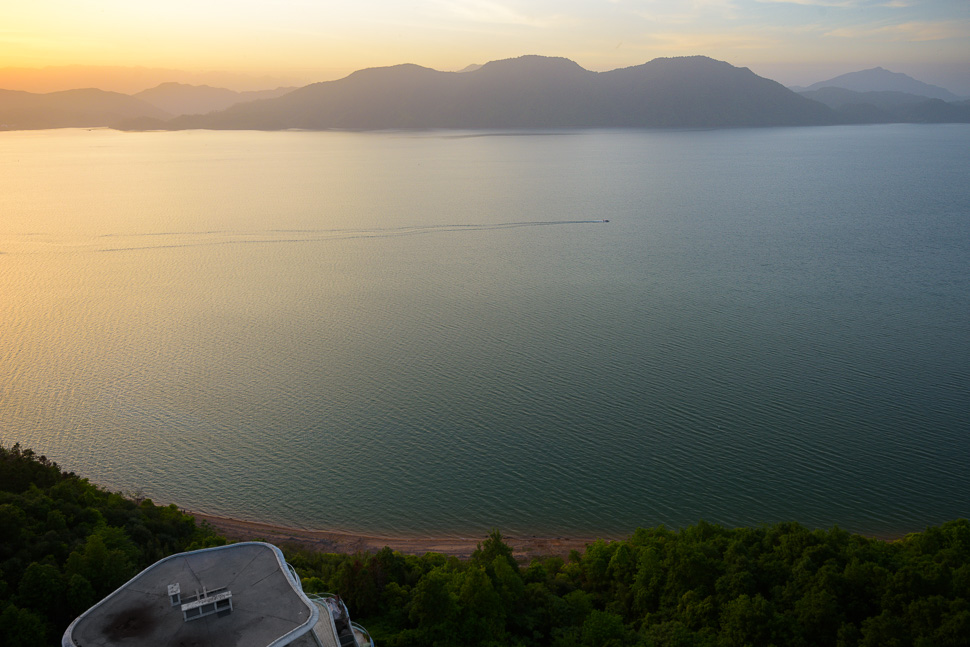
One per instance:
(524, 548)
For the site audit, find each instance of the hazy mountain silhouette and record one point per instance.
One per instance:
(524, 92)
(889, 107)
(183, 99)
(71, 109)
(878, 79)
(125, 78)
(530, 92)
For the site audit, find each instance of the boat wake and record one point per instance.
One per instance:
(39, 243)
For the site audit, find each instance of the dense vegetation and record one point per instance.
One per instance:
(65, 543)
(704, 585)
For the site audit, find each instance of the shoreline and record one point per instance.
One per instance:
(523, 548)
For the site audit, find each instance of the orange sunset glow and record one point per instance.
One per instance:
(128, 46)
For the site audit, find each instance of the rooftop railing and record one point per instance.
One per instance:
(325, 599)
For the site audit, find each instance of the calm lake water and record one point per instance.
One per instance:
(434, 332)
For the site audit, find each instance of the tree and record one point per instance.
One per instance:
(105, 569)
(80, 594)
(482, 613)
(434, 608)
(746, 621)
(22, 628)
(603, 629)
(42, 589)
(493, 547)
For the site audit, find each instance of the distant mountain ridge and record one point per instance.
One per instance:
(84, 108)
(878, 79)
(530, 92)
(90, 107)
(183, 99)
(889, 106)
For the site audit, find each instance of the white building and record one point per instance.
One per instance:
(240, 595)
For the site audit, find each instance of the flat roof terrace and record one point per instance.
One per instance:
(240, 595)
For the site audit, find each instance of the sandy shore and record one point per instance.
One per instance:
(524, 548)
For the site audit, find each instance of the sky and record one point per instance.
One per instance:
(251, 44)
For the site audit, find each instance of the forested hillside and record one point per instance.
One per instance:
(65, 543)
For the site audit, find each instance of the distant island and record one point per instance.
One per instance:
(528, 92)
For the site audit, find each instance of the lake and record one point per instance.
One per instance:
(436, 332)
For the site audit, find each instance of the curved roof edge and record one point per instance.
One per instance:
(68, 641)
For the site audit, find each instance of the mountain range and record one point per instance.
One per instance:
(889, 107)
(880, 96)
(184, 99)
(878, 79)
(83, 108)
(531, 92)
(524, 92)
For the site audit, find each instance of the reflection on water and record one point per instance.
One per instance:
(437, 333)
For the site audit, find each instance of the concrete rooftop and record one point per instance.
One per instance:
(269, 608)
